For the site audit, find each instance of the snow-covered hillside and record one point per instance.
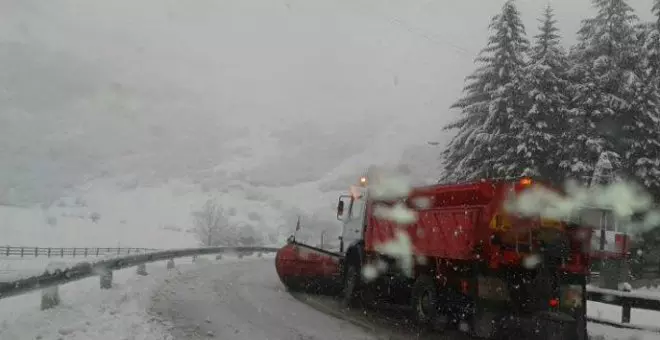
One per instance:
(144, 108)
(104, 213)
(154, 217)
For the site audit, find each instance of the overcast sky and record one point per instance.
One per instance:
(271, 92)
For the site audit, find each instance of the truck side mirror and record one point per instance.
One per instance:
(340, 209)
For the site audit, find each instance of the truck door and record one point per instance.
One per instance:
(353, 222)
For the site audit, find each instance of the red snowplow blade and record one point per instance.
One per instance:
(302, 267)
(287, 262)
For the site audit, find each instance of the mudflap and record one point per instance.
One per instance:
(542, 326)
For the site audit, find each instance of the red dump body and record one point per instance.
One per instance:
(454, 219)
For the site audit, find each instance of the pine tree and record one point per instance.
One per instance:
(545, 83)
(603, 172)
(602, 73)
(643, 155)
(650, 39)
(485, 145)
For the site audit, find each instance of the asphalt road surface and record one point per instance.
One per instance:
(245, 301)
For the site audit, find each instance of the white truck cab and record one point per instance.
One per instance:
(351, 211)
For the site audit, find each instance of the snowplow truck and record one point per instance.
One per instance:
(487, 272)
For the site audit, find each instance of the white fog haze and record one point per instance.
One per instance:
(140, 110)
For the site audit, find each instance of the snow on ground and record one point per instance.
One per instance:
(150, 217)
(244, 301)
(609, 312)
(603, 332)
(637, 316)
(87, 312)
(160, 216)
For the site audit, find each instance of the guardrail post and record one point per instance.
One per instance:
(61, 252)
(142, 269)
(194, 258)
(48, 252)
(74, 252)
(118, 250)
(22, 251)
(106, 278)
(50, 297)
(36, 251)
(170, 264)
(97, 252)
(7, 251)
(625, 313)
(626, 306)
(85, 252)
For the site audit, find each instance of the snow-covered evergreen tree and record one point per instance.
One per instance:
(643, 155)
(650, 40)
(603, 171)
(545, 83)
(603, 77)
(485, 145)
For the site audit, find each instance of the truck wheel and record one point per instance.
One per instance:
(351, 285)
(424, 300)
(293, 286)
(482, 324)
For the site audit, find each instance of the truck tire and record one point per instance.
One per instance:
(482, 324)
(424, 301)
(351, 285)
(293, 286)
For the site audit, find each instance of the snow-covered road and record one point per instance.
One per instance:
(244, 300)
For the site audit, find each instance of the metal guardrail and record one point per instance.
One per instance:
(8, 251)
(627, 301)
(86, 269)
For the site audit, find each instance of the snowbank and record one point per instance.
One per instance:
(87, 312)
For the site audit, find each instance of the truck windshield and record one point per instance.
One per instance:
(357, 208)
